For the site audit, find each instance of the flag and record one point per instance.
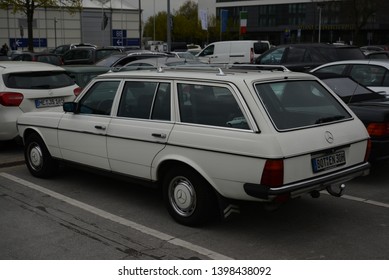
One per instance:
(223, 20)
(204, 19)
(243, 22)
(104, 21)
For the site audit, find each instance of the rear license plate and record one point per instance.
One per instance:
(49, 102)
(328, 161)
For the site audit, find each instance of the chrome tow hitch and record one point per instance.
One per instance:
(338, 192)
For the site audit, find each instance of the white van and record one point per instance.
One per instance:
(233, 51)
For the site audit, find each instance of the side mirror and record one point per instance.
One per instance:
(69, 107)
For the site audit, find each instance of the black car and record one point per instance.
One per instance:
(370, 107)
(88, 55)
(62, 49)
(119, 60)
(303, 57)
(39, 57)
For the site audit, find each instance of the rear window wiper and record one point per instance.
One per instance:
(329, 119)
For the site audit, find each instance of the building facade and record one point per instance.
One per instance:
(54, 27)
(293, 21)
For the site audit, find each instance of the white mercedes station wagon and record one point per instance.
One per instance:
(208, 138)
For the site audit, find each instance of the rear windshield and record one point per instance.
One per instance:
(38, 80)
(297, 104)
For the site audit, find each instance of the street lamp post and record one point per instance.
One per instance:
(168, 24)
(320, 8)
(55, 32)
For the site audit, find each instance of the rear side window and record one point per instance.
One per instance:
(210, 105)
(297, 104)
(145, 100)
(349, 53)
(369, 75)
(38, 80)
(273, 57)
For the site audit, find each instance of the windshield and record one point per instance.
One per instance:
(296, 104)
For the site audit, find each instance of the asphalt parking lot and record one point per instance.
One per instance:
(11, 153)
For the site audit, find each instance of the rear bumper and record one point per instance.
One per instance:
(309, 185)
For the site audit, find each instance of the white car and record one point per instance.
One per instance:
(373, 74)
(30, 86)
(177, 129)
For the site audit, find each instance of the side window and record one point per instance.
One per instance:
(273, 57)
(210, 105)
(337, 69)
(208, 50)
(162, 105)
(145, 100)
(295, 55)
(368, 75)
(99, 98)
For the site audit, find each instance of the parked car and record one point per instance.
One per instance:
(119, 60)
(39, 57)
(150, 63)
(82, 74)
(30, 86)
(182, 130)
(88, 55)
(373, 48)
(377, 55)
(62, 49)
(304, 57)
(370, 107)
(373, 73)
(240, 51)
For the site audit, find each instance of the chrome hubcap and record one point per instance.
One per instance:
(182, 196)
(35, 157)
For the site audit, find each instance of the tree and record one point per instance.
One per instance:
(28, 7)
(186, 25)
(360, 12)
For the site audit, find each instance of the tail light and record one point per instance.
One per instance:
(77, 91)
(378, 129)
(273, 173)
(11, 99)
(251, 55)
(368, 150)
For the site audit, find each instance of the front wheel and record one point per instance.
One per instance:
(38, 159)
(188, 197)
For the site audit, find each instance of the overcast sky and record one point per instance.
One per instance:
(160, 5)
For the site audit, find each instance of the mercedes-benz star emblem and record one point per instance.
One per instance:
(329, 137)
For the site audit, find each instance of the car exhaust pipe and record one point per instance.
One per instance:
(338, 192)
(315, 194)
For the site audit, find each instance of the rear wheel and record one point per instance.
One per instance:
(38, 159)
(188, 197)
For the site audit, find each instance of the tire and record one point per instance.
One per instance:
(188, 197)
(38, 159)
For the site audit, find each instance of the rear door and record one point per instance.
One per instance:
(142, 127)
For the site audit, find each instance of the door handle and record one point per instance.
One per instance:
(159, 135)
(101, 127)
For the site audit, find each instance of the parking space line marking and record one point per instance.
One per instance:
(99, 212)
(363, 200)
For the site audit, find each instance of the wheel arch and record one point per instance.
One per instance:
(168, 164)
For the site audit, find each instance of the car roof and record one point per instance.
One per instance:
(23, 66)
(161, 61)
(84, 68)
(380, 62)
(210, 73)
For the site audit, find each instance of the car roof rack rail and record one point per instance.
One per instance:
(258, 67)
